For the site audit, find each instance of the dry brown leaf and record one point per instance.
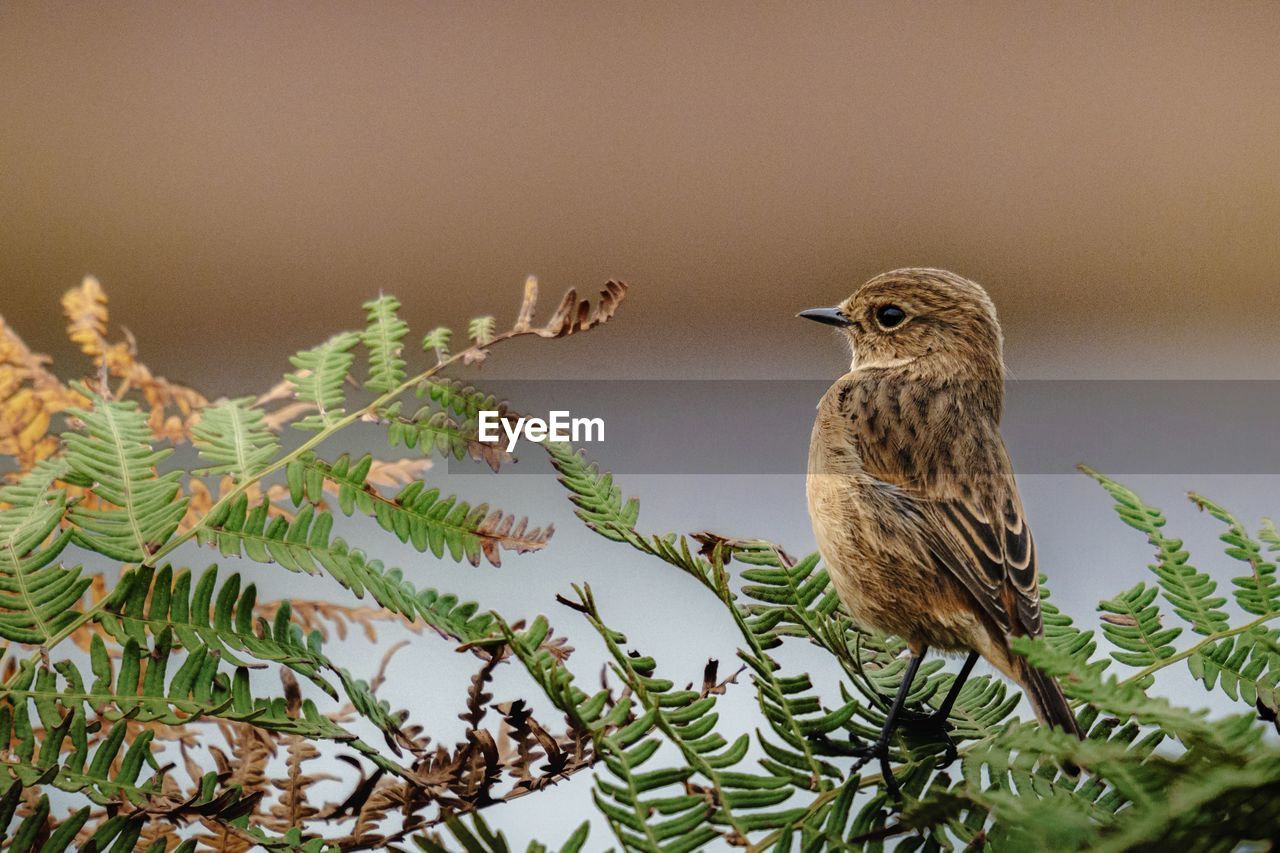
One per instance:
(398, 472)
(86, 310)
(574, 315)
(29, 398)
(524, 320)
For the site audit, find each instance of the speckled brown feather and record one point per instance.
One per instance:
(910, 487)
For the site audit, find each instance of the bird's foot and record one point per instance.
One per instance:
(920, 721)
(933, 726)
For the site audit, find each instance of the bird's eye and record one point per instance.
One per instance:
(889, 316)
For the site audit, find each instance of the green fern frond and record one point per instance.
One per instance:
(1010, 793)
(1060, 631)
(107, 778)
(1123, 699)
(99, 772)
(479, 837)
(437, 341)
(598, 500)
(145, 689)
(114, 453)
(418, 515)
(1131, 621)
(321, 374)
(37, 596)
(383, 338)
(233, 435)
(1257, 592)
(460, 398)
(687, 719)
(1233, 800)
(437, 431)
(200, 613)
(306, 545)
(1188, 590)
(109, 773)
(481, 330)
(585, 711)
(1246, 667)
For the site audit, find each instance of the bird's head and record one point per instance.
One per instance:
(935, 317)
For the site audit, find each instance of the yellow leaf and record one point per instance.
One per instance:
(86, 310)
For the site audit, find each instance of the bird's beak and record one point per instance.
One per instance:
(830, 316)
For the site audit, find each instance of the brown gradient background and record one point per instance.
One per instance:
(246, 174)
(242, 176)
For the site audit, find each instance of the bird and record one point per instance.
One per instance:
(911, 492)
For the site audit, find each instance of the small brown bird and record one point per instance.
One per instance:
(911, 493)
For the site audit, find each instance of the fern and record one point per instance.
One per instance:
(799, 752)
(1187, 589)
(734, 800)
(321, 372)
(383, 338)
(1012, 782)
(233, 435)
(1246, 667)
(37, 596)
(167, 648)
(417, 514)
(436, 431)
(437, 341)
(202, 615)
(460, 398)
(105, 776)
(1132, 622)
(481, 330)
(480, 838)
(114, 453)
(143, 689)
(305, 545)
(1257, 592)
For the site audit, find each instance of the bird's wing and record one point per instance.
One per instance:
(988, 547)
(954, 467)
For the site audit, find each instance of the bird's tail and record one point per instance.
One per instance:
(1046, 698)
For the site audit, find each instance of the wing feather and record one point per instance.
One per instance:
(963, 486)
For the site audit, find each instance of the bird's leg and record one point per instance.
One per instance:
(937, 721)
(938, 718)
(944, 710)
(880, 749)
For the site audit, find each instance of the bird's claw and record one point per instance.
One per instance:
(935, 725)
(918, 721)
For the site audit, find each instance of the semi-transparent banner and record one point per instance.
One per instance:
(1212, 427)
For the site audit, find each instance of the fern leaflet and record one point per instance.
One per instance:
(37, 596)
(383, 339)
(114, 454)
(321, 372)
(233, 435)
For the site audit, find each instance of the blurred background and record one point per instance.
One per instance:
(241, 177)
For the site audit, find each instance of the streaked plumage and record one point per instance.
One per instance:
(910, 488)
